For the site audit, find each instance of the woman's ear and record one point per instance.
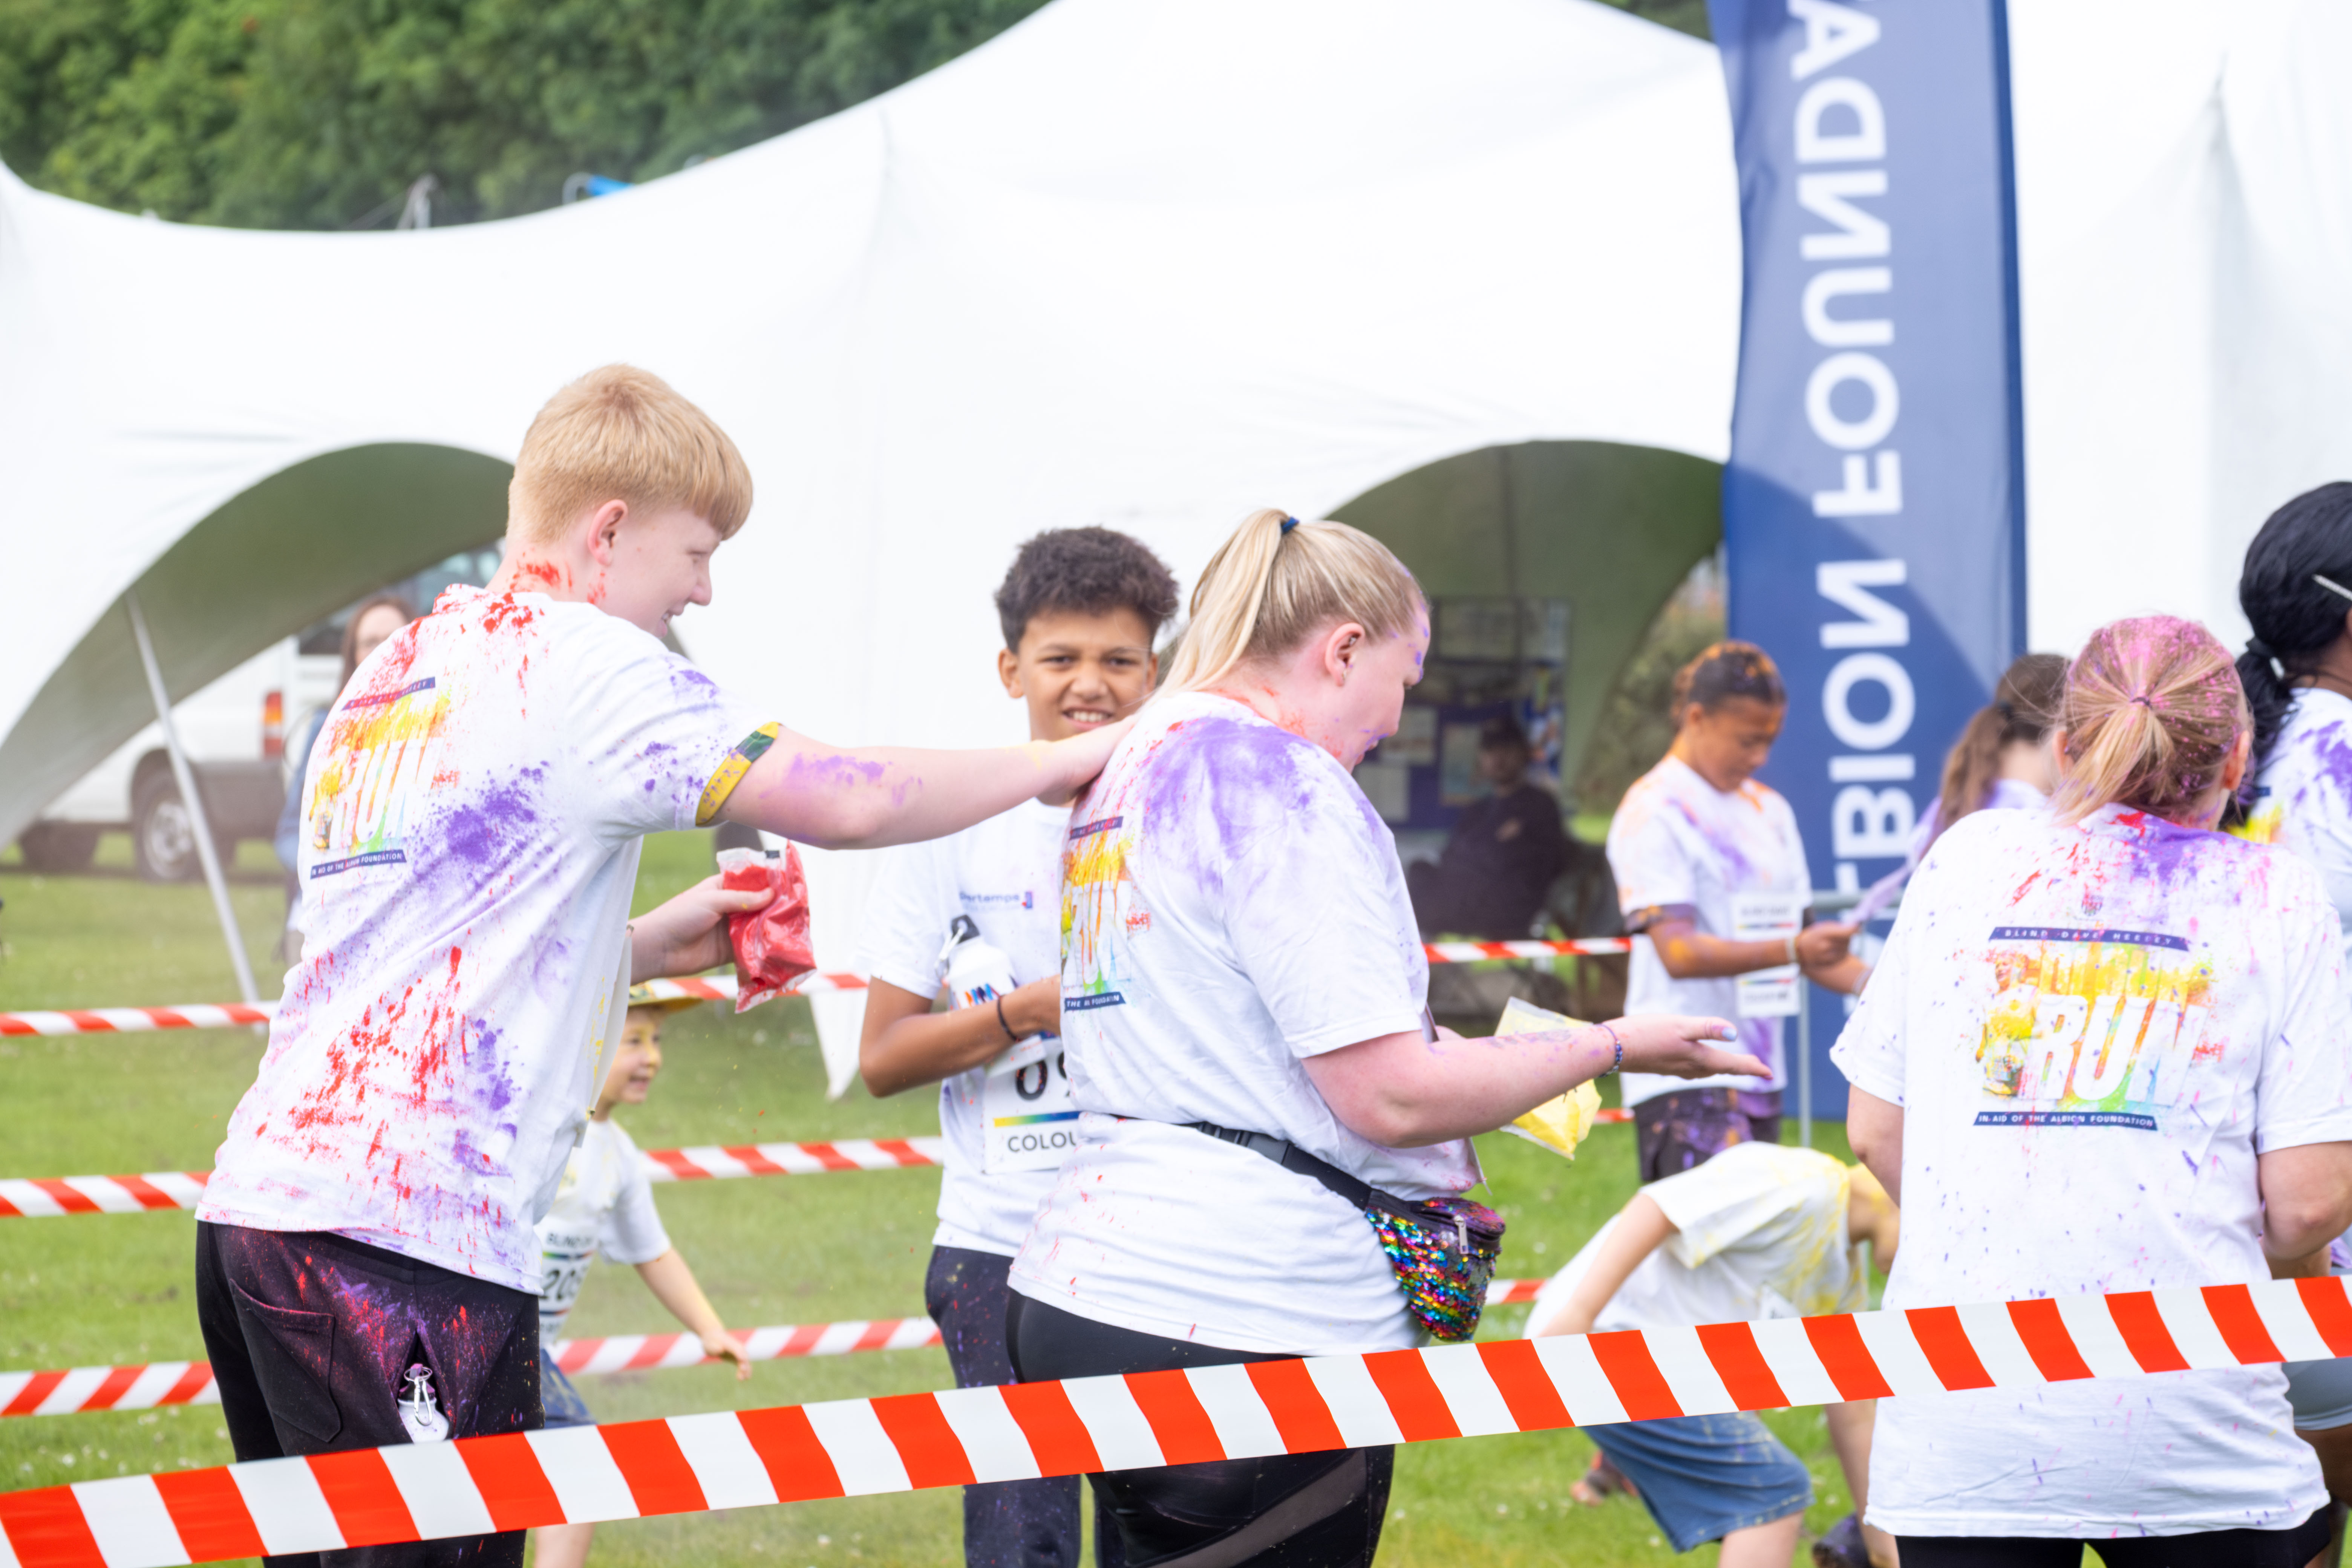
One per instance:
(1341, 643)
(2060, 765)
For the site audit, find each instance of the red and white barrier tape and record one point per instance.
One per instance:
(692, 1464)
(136, 1020)
(43, 1197)
(48, 1197)
(707, 1162)
(72, 1390)
(1481, 952)
(713, 988)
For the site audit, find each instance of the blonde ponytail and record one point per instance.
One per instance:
(1275, 582)
(2153, 709)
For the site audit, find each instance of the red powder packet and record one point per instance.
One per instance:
(771, 944)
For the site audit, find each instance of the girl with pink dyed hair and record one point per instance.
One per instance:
(2105, 1050)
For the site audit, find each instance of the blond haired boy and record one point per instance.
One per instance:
(366, 1271)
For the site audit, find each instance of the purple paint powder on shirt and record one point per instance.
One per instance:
(486, 829)
(1253, 776)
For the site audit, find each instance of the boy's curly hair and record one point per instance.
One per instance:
(1089, 570)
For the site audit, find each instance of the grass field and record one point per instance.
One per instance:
(109, 1289)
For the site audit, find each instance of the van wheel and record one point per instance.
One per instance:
(58, 847)
(163, 834)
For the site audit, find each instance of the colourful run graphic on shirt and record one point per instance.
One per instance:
(2091, 1028)
(1100, 908)
(376, 758)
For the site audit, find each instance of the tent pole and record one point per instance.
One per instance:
(186, 778)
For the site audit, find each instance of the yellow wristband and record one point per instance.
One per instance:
(731, 772)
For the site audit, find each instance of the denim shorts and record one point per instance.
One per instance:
(562, 1402)
(1703, 1476)
(2321, 1393)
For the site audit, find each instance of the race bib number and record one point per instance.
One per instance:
(564, 1263)
(1026, 1118)
(1767, 917)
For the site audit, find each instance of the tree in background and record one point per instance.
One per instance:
(320, 113)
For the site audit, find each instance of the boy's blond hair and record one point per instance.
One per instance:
(623, 434)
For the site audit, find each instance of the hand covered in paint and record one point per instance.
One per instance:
(1823, 944)
(688, 934)
(1073, 763)
(1681, 1047)
(720, 1345)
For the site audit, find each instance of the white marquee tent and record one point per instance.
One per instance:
(1146, 263)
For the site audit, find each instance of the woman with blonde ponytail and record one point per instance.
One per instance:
(2105, 1050)
(1244, 1022)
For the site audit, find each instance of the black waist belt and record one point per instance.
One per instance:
(1358, 1194)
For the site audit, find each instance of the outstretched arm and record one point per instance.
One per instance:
(674, 1286)
(1641, 1229)
(1403, 1090)
(1690, 953)
(865, 799)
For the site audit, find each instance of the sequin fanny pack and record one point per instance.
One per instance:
(1442, 1250)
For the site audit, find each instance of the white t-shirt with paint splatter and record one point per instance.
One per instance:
(1680, 848)
(1760, 1232)
(2303, 797)
(2094, 1030)
(1232, 905)
(472, 817)
(603, 1207)
(1005, 873)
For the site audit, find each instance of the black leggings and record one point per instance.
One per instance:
(1287, 1510)
(2289, 1548)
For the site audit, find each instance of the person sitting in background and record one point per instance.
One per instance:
(1760, 1231)
(1693, 834)
(1504, 854)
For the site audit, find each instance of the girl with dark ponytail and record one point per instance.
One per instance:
(2296, 592)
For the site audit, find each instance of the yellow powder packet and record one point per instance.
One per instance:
(1559, 1124)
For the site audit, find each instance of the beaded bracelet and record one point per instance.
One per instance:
(1620, 1062)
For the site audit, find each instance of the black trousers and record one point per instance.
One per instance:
(313, 1337)
(1287, 1510)
(1007, 1524)
(2289, 1548)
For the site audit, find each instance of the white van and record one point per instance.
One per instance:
(236, 731)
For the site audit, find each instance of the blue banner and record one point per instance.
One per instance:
(1873, 507)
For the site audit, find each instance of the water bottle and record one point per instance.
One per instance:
(977, 973)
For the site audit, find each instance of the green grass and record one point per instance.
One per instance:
(91, 1290)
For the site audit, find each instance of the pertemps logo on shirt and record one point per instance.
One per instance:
(2090, 1027)
(1024, 900)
